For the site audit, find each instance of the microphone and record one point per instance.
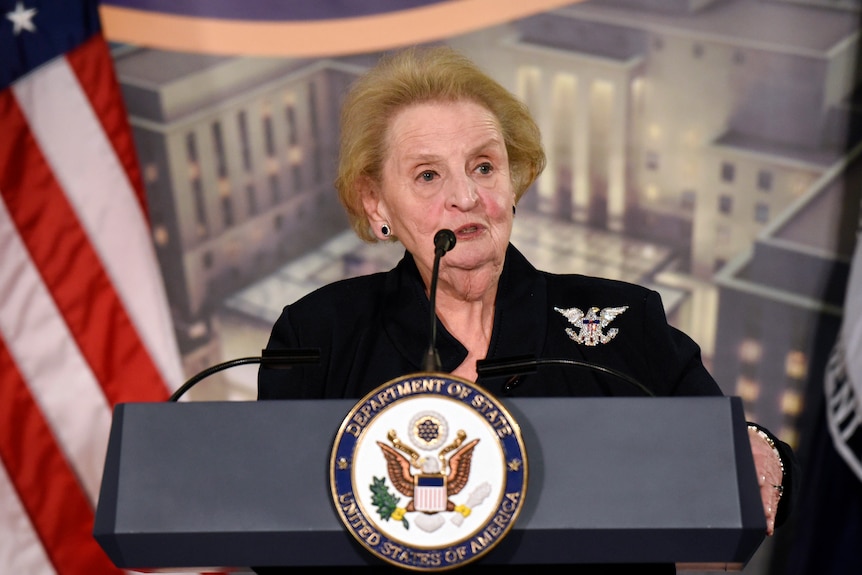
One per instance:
(272, 358)
(528, 364)
(444, 240)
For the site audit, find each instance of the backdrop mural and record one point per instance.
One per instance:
(705, 148)
(701, 148)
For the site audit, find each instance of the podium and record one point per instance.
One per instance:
(229, 485)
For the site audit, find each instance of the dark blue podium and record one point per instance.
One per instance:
(227, 485)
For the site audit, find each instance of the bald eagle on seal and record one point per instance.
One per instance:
(431, 473)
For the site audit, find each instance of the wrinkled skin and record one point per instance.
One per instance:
(447, 167)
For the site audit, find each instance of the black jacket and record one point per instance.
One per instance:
(374, 328)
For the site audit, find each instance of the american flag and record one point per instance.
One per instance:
(828, 519)
(84, 322)
(844, 374)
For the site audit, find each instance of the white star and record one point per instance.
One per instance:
(22, 18)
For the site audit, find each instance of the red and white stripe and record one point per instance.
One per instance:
(84, 321)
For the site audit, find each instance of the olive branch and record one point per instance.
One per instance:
(386, 502)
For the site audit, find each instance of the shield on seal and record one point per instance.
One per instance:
(430, 493)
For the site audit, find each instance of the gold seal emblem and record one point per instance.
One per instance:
(428, 472)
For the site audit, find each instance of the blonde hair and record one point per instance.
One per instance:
(416, 75)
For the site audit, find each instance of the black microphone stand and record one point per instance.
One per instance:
(527, 364)
(444, 240)
(274, 358)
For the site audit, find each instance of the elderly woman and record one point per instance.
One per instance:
(429, 142)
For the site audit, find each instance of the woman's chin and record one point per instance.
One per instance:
(474, 258)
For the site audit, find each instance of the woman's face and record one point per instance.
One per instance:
(446, 167)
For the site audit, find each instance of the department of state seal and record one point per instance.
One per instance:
(428, 472)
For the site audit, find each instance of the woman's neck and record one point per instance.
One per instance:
(471, 323)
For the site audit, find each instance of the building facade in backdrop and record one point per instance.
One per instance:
(690, 126)
(237, 156)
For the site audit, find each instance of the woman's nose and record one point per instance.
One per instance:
(463, 193)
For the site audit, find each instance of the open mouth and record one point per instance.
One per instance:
(468, 230)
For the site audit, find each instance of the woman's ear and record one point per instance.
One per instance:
(371, 202)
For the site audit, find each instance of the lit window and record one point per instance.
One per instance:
(160, 236)
(198, 329)
(747, 389)
(799, 184)
(151, 173)
(791, 402)
(750, 351)
(795, 365)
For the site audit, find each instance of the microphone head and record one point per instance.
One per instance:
(444, 240)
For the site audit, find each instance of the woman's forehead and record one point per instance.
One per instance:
(441, 123)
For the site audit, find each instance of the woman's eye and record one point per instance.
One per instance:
(427, 176)
(485, 168)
